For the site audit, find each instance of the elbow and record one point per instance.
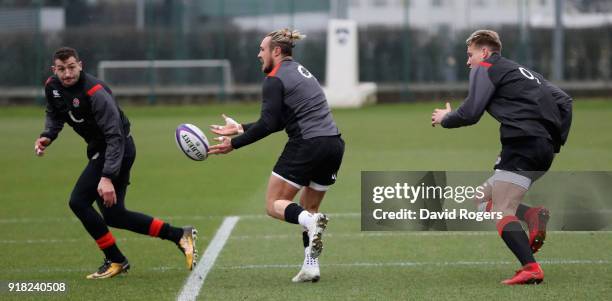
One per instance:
(272, 127)
(470, 118)
(470, 121)
(114, 137)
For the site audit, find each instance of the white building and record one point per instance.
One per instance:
(432, 14)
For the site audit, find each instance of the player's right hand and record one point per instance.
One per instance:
(40, 145)
(438, 114)
(106, 190)
(230, 128)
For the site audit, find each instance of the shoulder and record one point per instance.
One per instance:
(53, 88)
(292, 73)
(287, 69)
(51, 81)
(498, 62)
(497, 67)
(93, 85)
(272, 83)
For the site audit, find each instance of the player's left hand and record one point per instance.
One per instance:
(224, 147)
(107, 191)
(438, 114)
(231, 127)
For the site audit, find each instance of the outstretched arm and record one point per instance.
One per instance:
(269, 122)
(469, 112)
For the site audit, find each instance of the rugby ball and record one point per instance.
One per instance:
(192, 141)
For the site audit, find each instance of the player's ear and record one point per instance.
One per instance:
(276, 51)
(485, 53)
(81, 65)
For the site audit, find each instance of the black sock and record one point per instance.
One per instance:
(521, 210)
(305, 239)
(113, 254)
(292, 212)
(169, 232)
(517, 241)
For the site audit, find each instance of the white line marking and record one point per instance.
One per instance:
(408, 233)
(411, 264)
(194, 283)
(29, 220)
(46, 219)
(293, 236)
(84, 269)
(75, 240)
(292, 266)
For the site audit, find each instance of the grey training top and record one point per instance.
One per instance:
(292, 100)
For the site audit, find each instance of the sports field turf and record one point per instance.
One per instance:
(41, 241)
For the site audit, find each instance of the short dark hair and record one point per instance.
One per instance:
(65, 53)
(487, 38)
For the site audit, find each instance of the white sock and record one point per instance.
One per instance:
(482, 207)
(305, 218)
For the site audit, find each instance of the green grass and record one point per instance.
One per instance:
(41, 241)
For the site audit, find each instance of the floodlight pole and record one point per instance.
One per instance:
(405, 92)
(151, 50)
(221, 54)
(524, 49)
(140, 15)
(38, 50)
(558, 42)
(292, 14)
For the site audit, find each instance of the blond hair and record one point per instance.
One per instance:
(485, 37)
(285, 39)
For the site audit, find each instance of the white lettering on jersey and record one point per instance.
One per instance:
(305, 73)
(529, 75)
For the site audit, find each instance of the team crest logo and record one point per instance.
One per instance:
(76, 102)
(342, 34)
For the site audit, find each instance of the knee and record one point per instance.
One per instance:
(270, 210)
(75, 206)
(110, 220)
(113, 219)
(506, 207)
(270, 207)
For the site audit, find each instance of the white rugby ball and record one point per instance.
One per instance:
(192, 141)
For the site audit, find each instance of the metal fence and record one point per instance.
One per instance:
(401, 42)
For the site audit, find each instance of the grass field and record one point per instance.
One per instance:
(41, 241)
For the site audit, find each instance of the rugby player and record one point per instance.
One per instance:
(535, 118)
(292, 100)
(88, 106)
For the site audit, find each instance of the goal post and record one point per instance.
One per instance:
(174, 77)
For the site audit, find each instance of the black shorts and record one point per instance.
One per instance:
(311, 160)
(527, 156)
